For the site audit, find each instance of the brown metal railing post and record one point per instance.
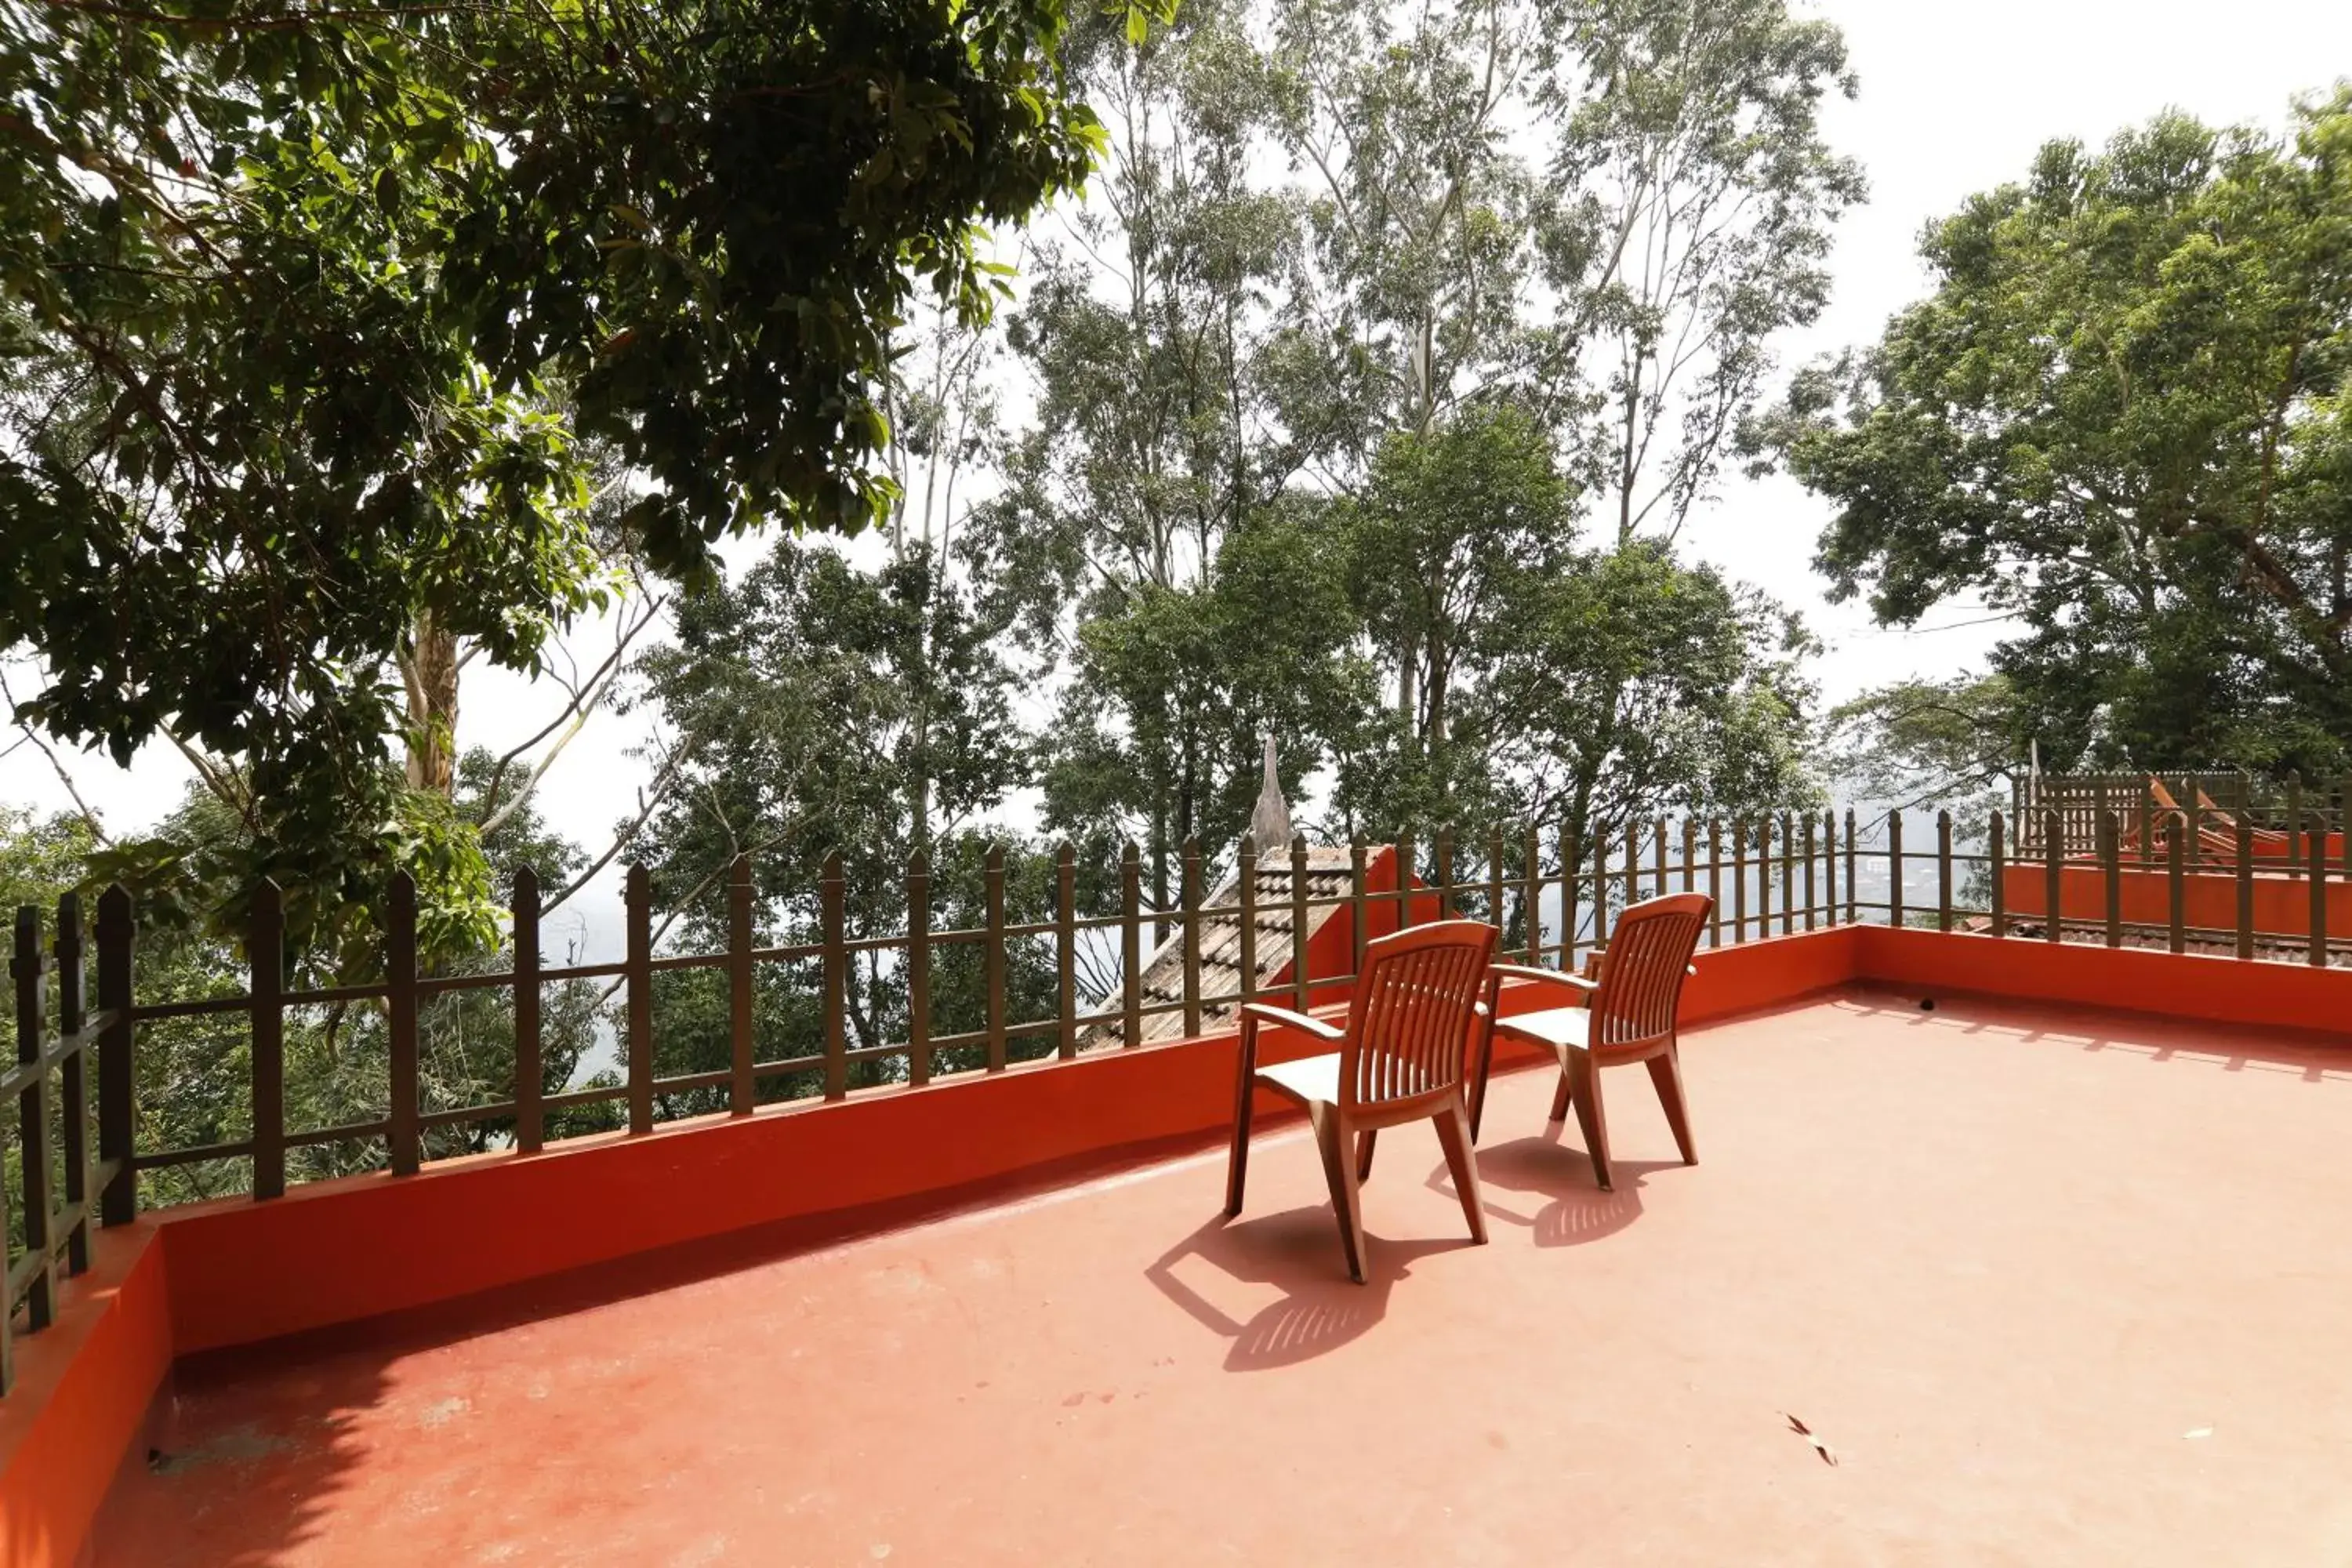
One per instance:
(2316, 944)
(1996, 861)
(1532, 896)
(833, 965)
(1715, 881)
(1445, 872)
(1246, 896)
(2293, 819)
(1788, 875)
(72, 1081)
(1894, 868)
(1943, 871)
(1633, 863)
(400, 1024)
(637, 1020)
(1359, 901)
(29, 968)
(2245, 885)
(1852, 907)
(1690, 854)
(2054, 870)
(531, 1073)
(1738, 880)
(117, 1104)
(992, 880)
(1189, 897)
(741, 1091)
(918, 968)
(1600, 891)
(1131, 947)
(1495, 880)
(1764, 876)
(2176, 888)
(2111, 831)
(1299, 930)
(1829, 868)
(1658, 860)
(1408, 862)
(1066, 944)
(1571, 854)
(2147, 825)
(265, 986)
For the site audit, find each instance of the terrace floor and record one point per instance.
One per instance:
(2053, 1286)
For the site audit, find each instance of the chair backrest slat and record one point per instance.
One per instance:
(1411, 1028)
(1642, 975)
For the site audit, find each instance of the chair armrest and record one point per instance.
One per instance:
(1266, 1013)
(1548, 976)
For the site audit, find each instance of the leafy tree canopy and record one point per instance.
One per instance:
(2125, 418)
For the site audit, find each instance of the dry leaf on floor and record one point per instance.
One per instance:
(1827, 1454)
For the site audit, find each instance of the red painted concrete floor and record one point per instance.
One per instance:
(2054, 1287)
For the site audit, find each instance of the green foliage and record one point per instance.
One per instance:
(2124, 418)
(288, 298)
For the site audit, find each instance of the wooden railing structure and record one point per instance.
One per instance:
(2215, 803)
(76, 1166)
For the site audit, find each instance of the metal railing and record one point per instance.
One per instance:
(76, 1164)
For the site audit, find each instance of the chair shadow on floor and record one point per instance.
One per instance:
(1546, 1167)
(1297, 1252)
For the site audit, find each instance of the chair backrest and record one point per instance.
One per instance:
(1410, 1027)
(1642, 976)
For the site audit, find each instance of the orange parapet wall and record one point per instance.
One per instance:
(2281, 902)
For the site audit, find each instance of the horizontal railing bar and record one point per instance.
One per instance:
(196, 1007)
(575, 1099)
(329, 995)
(685, 1081)
(351, 1133)
(165, 1159)
(467, 1113)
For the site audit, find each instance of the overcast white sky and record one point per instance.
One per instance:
(1954, 99)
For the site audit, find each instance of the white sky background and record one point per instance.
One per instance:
(1953, 102)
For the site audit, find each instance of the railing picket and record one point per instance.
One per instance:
(1690, 853)
(1996, 861)
(1299, 930)
(2177, 833)
(1245, 895)
(1066, 945)
(265, 983)
(1715, 881)
(1131, 947)
(1633, 864)
(1788, 876)
(1894, 868)
(400, 1022)
(2111, 874)
(833, 976)
(1738, 879)
(1599, 891)
(1829, 868)
(1189, 898)
(1658, 860)
(1764, 877)
(117, 1104)
(992, 950)
(531, 1075)
(73, 1122)
(1570, 855)
(1852, 905)
(2054, 870)
(918, 968)
(1943, 871)
(2294, 820)
(2245, 884)
(638, 1019)
(2315, 945)
(1532, 896)
(741, 1090)
(1495, 879)
(1359, 899)
(1445, 872)
(30, 967)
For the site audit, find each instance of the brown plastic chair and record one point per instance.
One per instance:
(1414, 1020)
(1626, 1015)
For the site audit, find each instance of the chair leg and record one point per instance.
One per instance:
(1237, 1163)
(1331, 1135)
(1562, 1096)
(1453, 1132)
(1590, 1117)
(1484, 1068)
(1665, 1071)
(1364, 1141)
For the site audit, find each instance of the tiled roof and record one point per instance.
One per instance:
(1328, 877)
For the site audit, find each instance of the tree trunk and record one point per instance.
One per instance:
(430, 673)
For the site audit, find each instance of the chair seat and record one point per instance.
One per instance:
(1309, 1079)
(1558, 1030)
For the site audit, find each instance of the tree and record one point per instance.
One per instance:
(314, 310)
(2122, 419)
